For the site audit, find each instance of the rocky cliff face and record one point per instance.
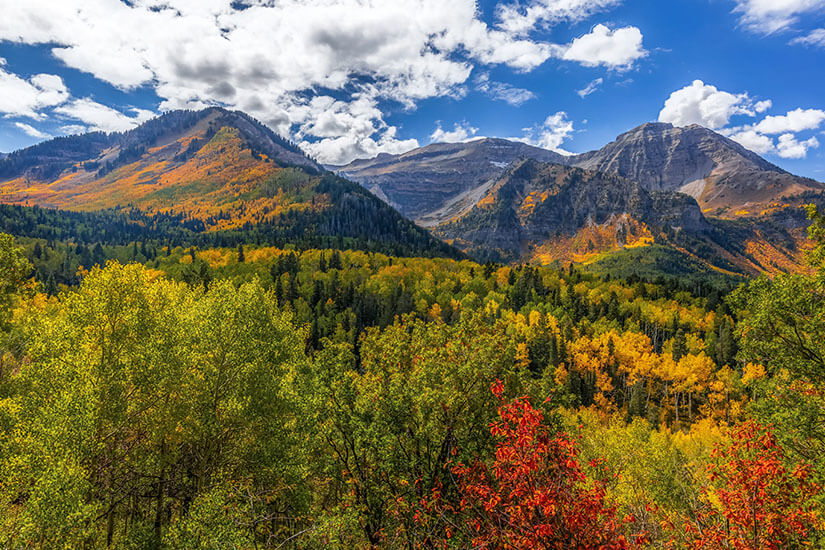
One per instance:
(725, 178)
(427, 184)
(534, 204)
(661, 156)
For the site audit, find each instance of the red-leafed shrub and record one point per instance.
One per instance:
(755, 501)
(535, 495)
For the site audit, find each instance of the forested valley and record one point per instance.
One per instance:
(159, 396)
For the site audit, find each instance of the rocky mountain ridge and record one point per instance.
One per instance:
(727, 180)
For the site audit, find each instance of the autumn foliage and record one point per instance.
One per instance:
(536, 494)
(755, 500)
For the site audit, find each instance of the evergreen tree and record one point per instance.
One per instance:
(679, 345)
(636, 407)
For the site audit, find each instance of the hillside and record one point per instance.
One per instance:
(212, 172)
(543, 213)
(538, 209)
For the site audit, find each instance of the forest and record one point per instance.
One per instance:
(159, 394)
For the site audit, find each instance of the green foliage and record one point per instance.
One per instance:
(309, 399)
(782, 328)
(657, 261)
(388, 430)
(138, 397)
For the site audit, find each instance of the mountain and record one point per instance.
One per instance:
(425, 184)
(726, 179)
(750, 205)
(215, 172)
(537, 209)
(200, 160)
(542, 213)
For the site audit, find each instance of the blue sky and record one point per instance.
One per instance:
(352, 78)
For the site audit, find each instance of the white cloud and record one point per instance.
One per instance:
(70, 129)
(347, 131)
(590, 88)
(461, 132)
(31, 130)
(708, 106)
(768, 16)
(790, 148)
(19, 97)
(101, 118)
(762, 106)
(797, 120)
(502, 91)
(756, 136)
(814, 38)
(703, 104)
(754, 141)
(271, 57)
(551, 134)
(615, 49)
(520, 18)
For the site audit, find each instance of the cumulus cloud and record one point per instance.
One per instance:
(519, 18)
(789, 147)
(270, 58)
(347, 131)
(590, 88)
(266, 58)
(769, 16)
(462, 131)
(99, 117)
(797, 120)
(706, 105)
(551, 134)
(814, 38)
(25, 98)
(31, 130)
(756, 137)
(615, 49)
(754, 141)
(69, 129)
(502, 91)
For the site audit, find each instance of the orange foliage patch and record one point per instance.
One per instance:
(223, 184)
(591, 241)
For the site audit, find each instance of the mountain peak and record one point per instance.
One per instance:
(427, 183)
(721, 174)
(61, 155)
(181, 159)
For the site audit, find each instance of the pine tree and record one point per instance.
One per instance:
(679, 345)
(636, 407)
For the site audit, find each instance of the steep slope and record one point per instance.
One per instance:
(537, 209)
(423, 184)
(725, 178)
(538, 212)
(212, 170)
(205, 162)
